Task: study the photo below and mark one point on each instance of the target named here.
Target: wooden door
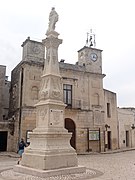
(70, 126)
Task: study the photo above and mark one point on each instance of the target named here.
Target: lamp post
(106, 139)
(133, 126)
(106, 126)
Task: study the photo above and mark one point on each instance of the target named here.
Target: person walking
(21, 147)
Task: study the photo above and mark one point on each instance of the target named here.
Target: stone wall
(111, 119)
(4, 94)
(2, 85)
(5, 124)
(126, 120)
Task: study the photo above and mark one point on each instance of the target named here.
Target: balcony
(78, 104)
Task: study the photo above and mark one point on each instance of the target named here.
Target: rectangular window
(108, 110)
(67, 94)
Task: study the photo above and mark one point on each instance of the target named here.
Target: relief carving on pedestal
(56, 92)
(43, 94)
(42, 113)
(48, 55)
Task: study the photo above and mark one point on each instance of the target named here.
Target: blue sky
(112, 21)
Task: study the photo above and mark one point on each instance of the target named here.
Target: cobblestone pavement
(6, 163)
(113, 166)
(118, 166)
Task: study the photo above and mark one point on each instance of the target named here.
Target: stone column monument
(50, 152)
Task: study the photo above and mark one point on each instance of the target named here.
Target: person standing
(21, 147)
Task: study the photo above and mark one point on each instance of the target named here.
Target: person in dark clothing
(21, 147)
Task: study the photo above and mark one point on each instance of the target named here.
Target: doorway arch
(70, 126)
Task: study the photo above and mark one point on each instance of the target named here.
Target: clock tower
(91, 59)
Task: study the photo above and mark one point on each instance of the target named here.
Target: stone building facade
(5, 125)
(126, 123)
(91, 111)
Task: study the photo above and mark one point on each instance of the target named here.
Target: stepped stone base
(52, 160)
(49, 150)
(49, 173)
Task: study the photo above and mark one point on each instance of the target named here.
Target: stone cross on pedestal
(50, 148)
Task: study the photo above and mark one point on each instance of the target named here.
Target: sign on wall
(94, 135)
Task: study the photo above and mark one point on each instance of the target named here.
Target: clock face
(36, 49)
(93, 56)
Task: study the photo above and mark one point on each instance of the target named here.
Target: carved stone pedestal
(50, 152)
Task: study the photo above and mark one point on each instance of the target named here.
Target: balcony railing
(78, 104)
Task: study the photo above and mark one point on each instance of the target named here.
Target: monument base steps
(49, 173)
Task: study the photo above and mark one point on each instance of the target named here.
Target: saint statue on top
(53, 18)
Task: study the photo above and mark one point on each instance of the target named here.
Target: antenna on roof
(87, 40)
(90, 41)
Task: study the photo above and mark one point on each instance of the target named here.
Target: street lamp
(133, 126)
(106, 126)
